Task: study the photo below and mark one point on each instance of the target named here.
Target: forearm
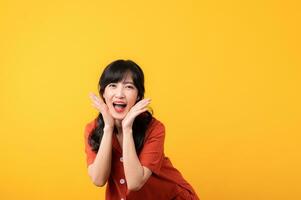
(133, 169)
(99, 171)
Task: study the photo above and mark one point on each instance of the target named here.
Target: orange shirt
(166, 182)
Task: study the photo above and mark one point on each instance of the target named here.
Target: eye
(130, 86)
(112, 85)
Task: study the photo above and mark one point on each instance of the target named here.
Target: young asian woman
(124, 144)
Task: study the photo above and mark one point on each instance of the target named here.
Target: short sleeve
(90, 155)
(152, 153)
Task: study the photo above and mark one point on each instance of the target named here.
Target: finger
(141, 105)
(140, 108)
(138, 112)
(96, 107)
(97, 99)
(93, 97)
(143, 101)
(95, 103)
(100, 100)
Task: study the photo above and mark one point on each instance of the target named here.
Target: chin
(118, 116)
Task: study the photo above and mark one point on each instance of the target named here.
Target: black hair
(113, 73)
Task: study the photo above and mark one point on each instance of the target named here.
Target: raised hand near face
(136, 110)
(101, 106)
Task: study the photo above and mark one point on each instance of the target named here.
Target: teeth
(119, 105)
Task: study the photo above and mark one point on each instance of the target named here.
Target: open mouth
(119, 107)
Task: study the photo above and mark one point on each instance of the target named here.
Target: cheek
(106, 96)
(133, 100)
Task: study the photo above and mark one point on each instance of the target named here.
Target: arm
(100, 169)
(135, 174)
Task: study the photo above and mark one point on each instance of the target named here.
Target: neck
(118, 125)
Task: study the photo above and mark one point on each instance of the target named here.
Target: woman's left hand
(136, 110)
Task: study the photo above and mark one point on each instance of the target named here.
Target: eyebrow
(128, 82)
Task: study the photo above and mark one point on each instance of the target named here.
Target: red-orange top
(166, 182)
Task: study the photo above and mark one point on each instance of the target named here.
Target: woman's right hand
(100, 105)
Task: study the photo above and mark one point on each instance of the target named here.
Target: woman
(125, 143)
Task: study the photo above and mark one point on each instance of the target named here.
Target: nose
(119, 92)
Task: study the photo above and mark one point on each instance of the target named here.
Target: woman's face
(120, 97)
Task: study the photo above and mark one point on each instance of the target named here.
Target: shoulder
(155, 128)
(155, 123)
(90, 126)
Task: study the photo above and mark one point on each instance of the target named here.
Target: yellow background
(224, 78)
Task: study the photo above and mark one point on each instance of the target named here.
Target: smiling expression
(120, 97)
